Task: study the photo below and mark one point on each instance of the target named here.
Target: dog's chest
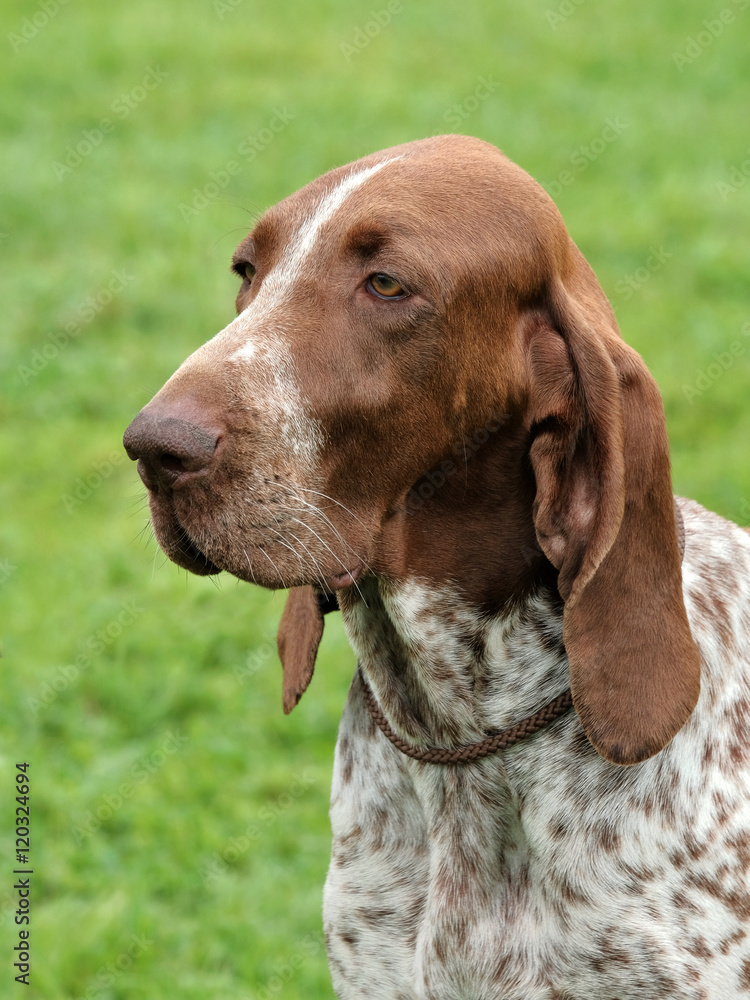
(446, 883)
(544, 873)
(434, 888)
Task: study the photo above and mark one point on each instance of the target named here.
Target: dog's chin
(176, 543)
(182, 550)
(189, 557)
(247, 559)
(248, 565)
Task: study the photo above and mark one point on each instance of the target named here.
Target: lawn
(179, 821)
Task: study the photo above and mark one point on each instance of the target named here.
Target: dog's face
(389, 310)
(361, 353)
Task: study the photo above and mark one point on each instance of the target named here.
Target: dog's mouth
(176, 543)
(246, 560)
(184, 552)
(346, 579)
(192, 559)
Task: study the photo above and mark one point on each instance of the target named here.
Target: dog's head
(387, 311)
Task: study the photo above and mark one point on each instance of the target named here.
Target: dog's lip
(191, 550)
(187, 554)
(341, 580)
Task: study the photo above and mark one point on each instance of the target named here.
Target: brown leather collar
(496, 741)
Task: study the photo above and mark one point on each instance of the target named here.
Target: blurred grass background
(180, 832)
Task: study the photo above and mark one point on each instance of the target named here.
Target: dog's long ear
(300, 632)
(604, 517)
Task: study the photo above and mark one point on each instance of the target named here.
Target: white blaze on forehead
(272, 373)
(280, 280)
(324, 211)
(270, 380)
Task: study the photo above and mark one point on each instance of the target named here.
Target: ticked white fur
(544, 872)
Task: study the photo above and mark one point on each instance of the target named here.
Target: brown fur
(506, 327)
(486, 461)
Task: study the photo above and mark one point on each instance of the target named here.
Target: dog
(424, 415)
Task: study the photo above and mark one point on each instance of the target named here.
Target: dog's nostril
(172, 463)
(167, 448)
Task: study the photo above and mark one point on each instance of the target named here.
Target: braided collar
(495, 741)
(472, 751)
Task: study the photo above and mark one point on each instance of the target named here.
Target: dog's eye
(385, 287)
(249, 270)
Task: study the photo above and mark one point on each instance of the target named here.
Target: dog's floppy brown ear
(300, 632)
(604, 517)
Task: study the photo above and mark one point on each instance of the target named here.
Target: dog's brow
(365, 241)
(324, 211)
(281, 279)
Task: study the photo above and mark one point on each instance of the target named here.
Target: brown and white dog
(425, 406)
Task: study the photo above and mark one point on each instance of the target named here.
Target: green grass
(153, 728)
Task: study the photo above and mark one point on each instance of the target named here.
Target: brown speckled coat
(425, 406)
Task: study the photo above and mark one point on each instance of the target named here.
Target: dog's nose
(169, 451)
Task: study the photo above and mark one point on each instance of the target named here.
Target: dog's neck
(458, 628)
(443, 672)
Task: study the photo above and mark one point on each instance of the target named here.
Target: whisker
(321, 575)
(306, 489)
(323, 542)
(137, 537)
(280, 538)
(316, 510)
(284, 584)
(157, 550)
(326, 520)
(251, 567)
